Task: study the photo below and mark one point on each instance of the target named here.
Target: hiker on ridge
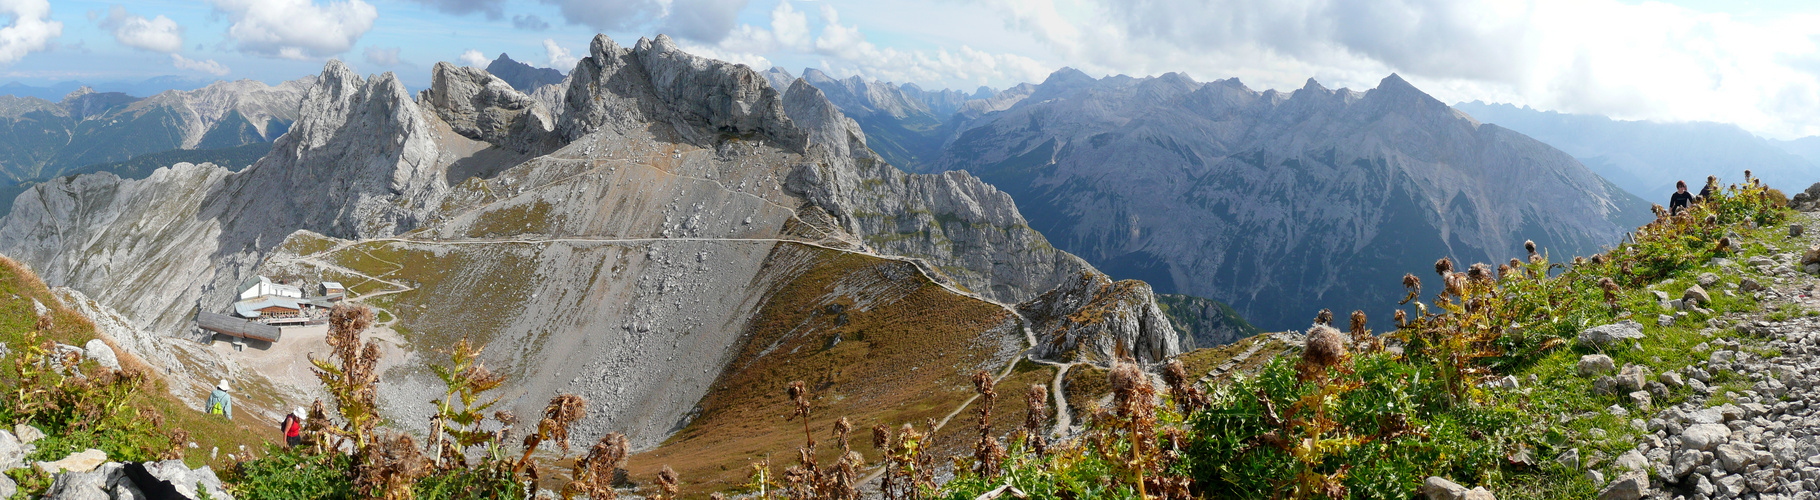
(1712, 186)
(220, 403)
(1678, 201)
(293, 428)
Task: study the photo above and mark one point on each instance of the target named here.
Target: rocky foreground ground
(1749, 426)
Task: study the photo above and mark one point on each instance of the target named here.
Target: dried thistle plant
(594, 472)
(799, 394)
(1325, 317)
(350, 374)
(1134, 403)
(1187, 397)
(1036, 413)
(1413, 284)
(1443, 267)
(987, 452)
(388, 465)
(667, 482)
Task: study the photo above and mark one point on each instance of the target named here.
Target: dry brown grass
(902, 361)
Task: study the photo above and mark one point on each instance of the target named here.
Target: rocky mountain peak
(523, 77)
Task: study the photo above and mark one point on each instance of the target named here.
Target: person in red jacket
(293, 428)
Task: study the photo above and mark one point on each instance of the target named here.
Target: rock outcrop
(1094, 319)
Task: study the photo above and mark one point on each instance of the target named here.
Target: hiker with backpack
(220, 403)
(293, 428)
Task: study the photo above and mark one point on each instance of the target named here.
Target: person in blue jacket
(220, 403)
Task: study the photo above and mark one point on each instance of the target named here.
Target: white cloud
(707, 21)
(158, 34)
(474, 58)
(559, 57)
(386, 57)
(297, 29)
(789, 26)
(844, 51)
(30, 31)
(205, 66)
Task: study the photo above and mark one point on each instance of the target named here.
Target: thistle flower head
(1411, 282)
(1443, 266)
(1479, 272)
(1401, 318)
(1598, 258)
(1529, 246)
(1325, 317)
(1325, 348)
(1358, 323)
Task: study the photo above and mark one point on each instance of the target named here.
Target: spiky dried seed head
(1535, 259)
(1598, 258)
(1579, 261)
(1131, 390)
(1443, 266)
(842, 426)
(881, 437)
(1358, 322)
(1503, 270)
(1411, 282)
(1325, 347)
(982, 383)
(1529, 246)
(1479, 272)
(798, 389)
(1325, 317)
(667, 481)
(1400, 318)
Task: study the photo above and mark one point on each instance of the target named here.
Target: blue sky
(1755, 64)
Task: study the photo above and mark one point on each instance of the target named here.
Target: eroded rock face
(1095, 319)
(483, 107)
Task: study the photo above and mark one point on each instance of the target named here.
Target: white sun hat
(222, 385)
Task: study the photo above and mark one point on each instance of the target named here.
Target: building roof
(335, 285)
(250, 282)
(229, 325)
(250, 308)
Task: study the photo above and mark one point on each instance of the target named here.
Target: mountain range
(1646, 158)
(40, 139)
(1277, 203)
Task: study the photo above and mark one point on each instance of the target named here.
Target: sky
(1754, 64)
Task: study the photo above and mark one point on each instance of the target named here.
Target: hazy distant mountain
(521, 76)
(40, 139)
(1806, 147)
(904, 123)
(1646, 158)
(149, 86)
(1278, 204)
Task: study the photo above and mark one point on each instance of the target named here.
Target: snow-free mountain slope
(1280, 204)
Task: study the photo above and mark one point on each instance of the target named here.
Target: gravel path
(1762, 442)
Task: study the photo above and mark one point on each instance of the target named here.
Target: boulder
(1439, 488)
(1629, 486)
(1632, 461)
(1664, 320)
(1593, 364)
(1640, 400)
(185, 480)
(1671, 379)
(1569, 459)
(1704, 436)
(1733, 456)
(1600, 336)
(1696, 295)
(1687, 460)
(1707, 279)
(7, 487)
(27, 434)
(1479, 493)
(1811, 256)
(12, 452)
(101, 483)
(1794, 230)
(1633, 378)
(103, 355)
(81, 461)
(1749, 285)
